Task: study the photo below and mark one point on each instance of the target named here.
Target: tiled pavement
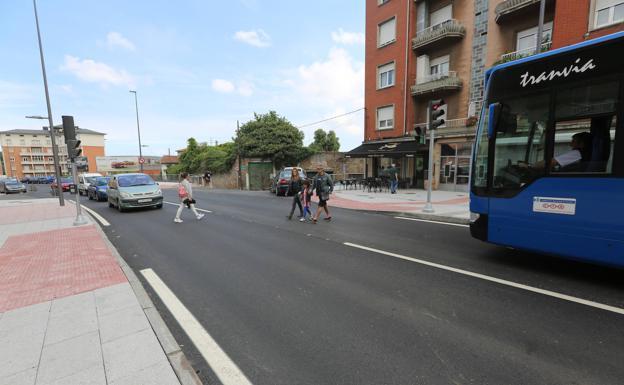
(68, 314)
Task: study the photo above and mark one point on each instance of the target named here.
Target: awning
(387, 149)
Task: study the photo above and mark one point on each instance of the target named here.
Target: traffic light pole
(80, 220)
(428, 206)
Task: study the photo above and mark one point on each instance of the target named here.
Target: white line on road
(496, 280)
(428, 221)
(219, 361)
(97, 216)
(177, 204)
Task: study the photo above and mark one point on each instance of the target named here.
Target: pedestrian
(393, 174)
(185, 192)
(306, 197)
(208, 179)
(294, 187)
(323, 185)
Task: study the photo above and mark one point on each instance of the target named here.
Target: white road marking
(177, 204)
(496, 280)
(97, 216)
(227, 371)
(428, 221)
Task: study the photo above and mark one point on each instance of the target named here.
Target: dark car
(11, 185)
(97, 190)
(282, 181)
(65, 183)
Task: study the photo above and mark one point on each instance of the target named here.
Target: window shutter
(387, 31)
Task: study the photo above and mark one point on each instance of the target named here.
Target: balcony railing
(523, 53)
(508, 7)
(446, 29)
(437, 82)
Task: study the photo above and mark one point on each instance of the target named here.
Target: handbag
(182, 193)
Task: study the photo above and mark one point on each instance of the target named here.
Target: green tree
(190, 157)
(271, 136)
(217, 159)
(325, 141)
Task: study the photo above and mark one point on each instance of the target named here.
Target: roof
(45, 132)
(389, 148)
(169, 159)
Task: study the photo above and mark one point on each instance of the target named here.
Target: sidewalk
(448, 205)
(68, 313)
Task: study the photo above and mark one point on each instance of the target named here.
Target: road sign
(141, 160)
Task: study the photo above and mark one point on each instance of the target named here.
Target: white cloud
(223, 86)
(348, 38)
(257, 38)
(91, 71)
(115, 39)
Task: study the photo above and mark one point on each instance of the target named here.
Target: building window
(439, 67)
(382, 2)
(385, 118)
(441, 15)
(608, 12)
(35, 142)
(8, 142)
(385, 77)
(527, 39)
(386, 32)
(22, 142)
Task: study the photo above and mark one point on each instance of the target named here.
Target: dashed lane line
(177, 204)
(549, 293)
(221, 364)
(429, 221)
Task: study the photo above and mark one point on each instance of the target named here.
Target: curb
(178, 361)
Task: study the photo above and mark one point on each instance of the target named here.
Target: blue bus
(548, 162)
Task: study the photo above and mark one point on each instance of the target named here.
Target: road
(296, 303)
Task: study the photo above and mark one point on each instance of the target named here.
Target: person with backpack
(185, 193)
(324, 186)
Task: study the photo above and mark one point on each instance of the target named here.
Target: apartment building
(28, 153)
(421, 50)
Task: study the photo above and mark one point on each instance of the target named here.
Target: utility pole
(540, 27)
(57, 168)
(240, 180)
(136, 105)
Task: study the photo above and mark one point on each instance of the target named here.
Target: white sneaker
(302, 220)
(200, 216)
(178, 220)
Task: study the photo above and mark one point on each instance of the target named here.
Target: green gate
(260, 175)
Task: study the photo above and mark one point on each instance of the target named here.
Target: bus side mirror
(494, 112)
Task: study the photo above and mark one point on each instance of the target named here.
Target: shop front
(408, 156)
(454, 170)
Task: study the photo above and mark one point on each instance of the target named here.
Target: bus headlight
(474, 217)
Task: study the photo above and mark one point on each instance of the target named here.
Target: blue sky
(198, 67)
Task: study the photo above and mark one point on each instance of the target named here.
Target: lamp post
(136, 105)
(57, 171)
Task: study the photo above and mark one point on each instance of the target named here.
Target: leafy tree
(325, 141)
(271, 136)
(189, 158)
(217, 159)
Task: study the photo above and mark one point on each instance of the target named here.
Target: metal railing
(437, 82)
(509, 6)
(448, 28)
(524, 53)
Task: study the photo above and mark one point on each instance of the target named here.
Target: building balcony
(450, 29)
(509, 8)
(523, 53)
(434, 83)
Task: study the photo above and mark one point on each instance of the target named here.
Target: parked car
(132, 191)
(84, 180)
(282, 180)
(11, 185)
(65, 183)
(97, 190)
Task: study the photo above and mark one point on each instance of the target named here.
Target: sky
(198, 67)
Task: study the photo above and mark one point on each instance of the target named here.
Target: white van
(84, 180)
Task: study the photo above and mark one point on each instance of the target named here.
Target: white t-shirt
(187, 187)
(568, 158)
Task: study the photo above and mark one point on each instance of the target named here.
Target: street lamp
(57, 170)
(136, 105)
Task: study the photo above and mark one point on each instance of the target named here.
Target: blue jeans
(393, 186)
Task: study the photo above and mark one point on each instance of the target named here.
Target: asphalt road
(290, 303)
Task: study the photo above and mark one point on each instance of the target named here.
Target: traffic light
(69, 132)
(436, 111)
(421, 134)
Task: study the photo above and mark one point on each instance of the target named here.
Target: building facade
(28, 153)
(422, 50)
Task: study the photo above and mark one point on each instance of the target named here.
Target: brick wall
(574, 24)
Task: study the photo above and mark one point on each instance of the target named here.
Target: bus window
(585, 129)
(520, 141)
